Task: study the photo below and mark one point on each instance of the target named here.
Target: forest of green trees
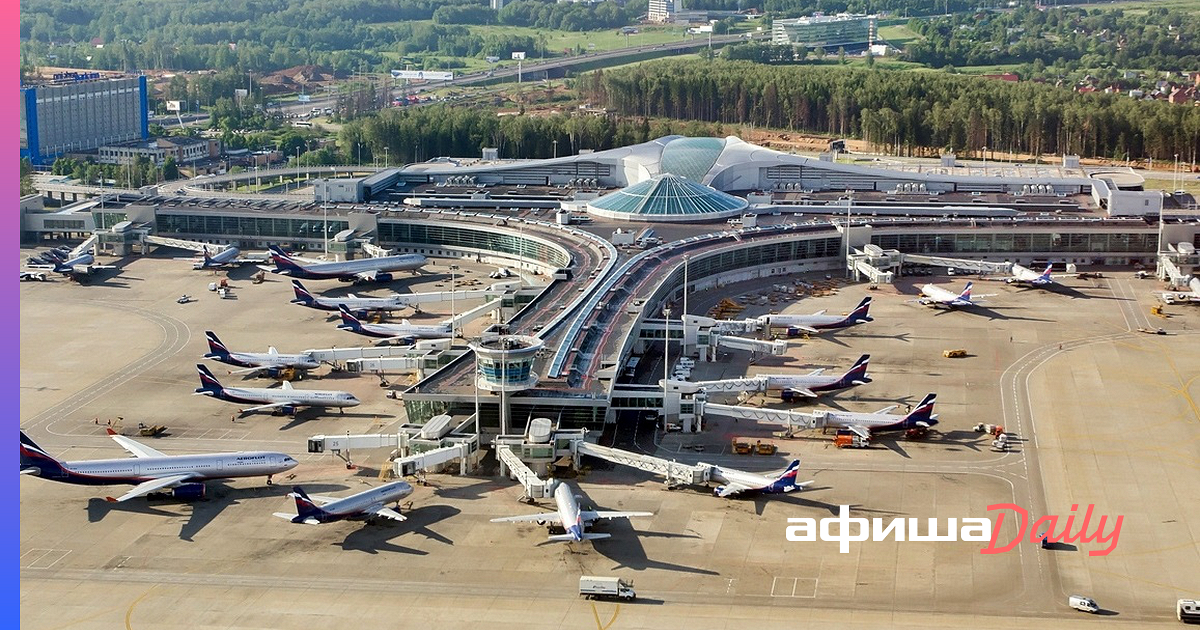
(913, 112)
(1158, 39)
(267, 35)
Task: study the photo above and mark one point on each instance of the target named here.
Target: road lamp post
(385, 156)
(666, 361)
(453, 311)
(555, 143)
(985, 161)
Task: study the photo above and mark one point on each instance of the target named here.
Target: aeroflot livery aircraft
(370, 269)
(368, 504)
(936, 296)
(819, 321)
(284, 399)
(270, 361)
(151, 470)
(573, 520)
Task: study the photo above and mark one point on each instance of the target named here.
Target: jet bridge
(337, 355)
(415, 448)
(752, 384)
(535, 487)
(774, 348)
(87, 247)
(979, 266)
(179, 243)
(1170, 272)
(793, 420)
(676, 474)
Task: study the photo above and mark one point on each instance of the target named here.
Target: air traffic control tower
(505, 366)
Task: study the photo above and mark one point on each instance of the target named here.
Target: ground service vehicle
(1086, 604)
(592, 586)
(1187, 610)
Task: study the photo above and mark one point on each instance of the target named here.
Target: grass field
(1134, 7)
(898, 35)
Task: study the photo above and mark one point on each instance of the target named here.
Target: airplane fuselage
(266, 359)
(568, 512)
(294, 397)
(819, 322)
(401, 330)
(101, 472)
(350, 269)
(363, 502)
(356, 304)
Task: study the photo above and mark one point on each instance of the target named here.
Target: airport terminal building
(603, 304)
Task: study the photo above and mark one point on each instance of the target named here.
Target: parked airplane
(152, 471)
(1183, 297)
(819, 321)
(370, 269)
(1025, 275)
(368, 504)
(573, 520)
(919, 419)
(284, 399)
(360, 306)
(403, 331)
(270, 361)
(737, 481)
(229, 256)
(814, 383)
(936, 296)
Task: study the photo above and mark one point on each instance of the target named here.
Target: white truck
(592, 586)
(1086, 604)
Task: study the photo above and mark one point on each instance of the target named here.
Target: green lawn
(899, 35)
(1135, 7)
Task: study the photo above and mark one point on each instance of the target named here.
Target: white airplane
(1183, 297)
(918, 420)
(815, 383)
(270, 361)
(362, 306)
(369, 269)
(390, 332)
(573, 520)
(936, 296)
(284, 399)
(1025, 275)
(230, 256)
(819, 321)
(152, 471)
(368, 504)
(738, 481)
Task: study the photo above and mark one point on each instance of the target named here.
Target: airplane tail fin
(37, 461)
(349, 321)
(208, 383)
(859, 314)
(966, 294)
(283, 262)
(858, 373)
(305, 508)
(303, 296)
(923, 414)
(216, 349)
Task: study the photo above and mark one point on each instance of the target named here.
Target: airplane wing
(147, 487)
(887, 409)
(820, 312)
(528, 518)
(817, 372)
(592, 515)
(386, 512)
(807, 329)
(138, 450)
(249, 370)
(29, 471)
(803, 392)
(731, 489)
(859, 429)
(276, 405)
(367, 275)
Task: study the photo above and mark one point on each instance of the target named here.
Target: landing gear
(269, 481)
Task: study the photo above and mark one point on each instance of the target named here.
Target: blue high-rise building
(79, 112)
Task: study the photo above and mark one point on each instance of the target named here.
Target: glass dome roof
(691, 157)
(668, 198)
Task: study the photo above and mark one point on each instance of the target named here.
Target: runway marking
(596, 614)
(785, 589)
(132, 605)
(48, 558)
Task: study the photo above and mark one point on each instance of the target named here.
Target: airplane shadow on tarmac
(202, 512)
(374, 537)
(625, 547)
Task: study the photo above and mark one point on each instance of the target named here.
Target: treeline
(796, 8)
(268, 35)
(1159, 39)
(912, 112)
(422, 133)
(142, 172)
